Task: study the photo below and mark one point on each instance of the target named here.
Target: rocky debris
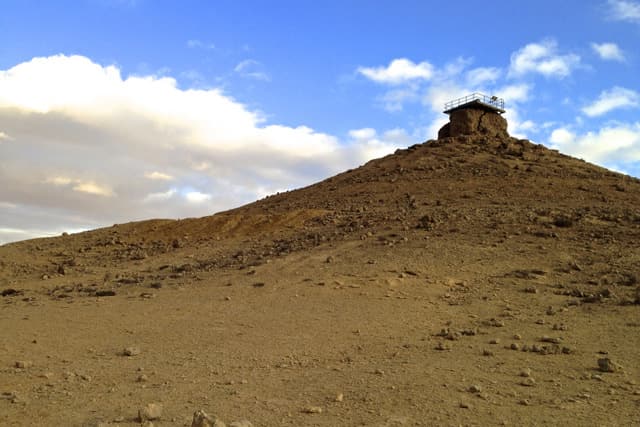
(202, 419)
(312, 410)
(23, 364)
(131, 351)
(607, 365)
(105, 293)
(475, 389)
(10, 292)
(150, 412)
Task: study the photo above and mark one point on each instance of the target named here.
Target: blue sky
(116, 110)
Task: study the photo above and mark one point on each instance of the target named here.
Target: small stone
(486, 352)
(442, 346)
(465, 405)
(540, 322)
(517, 337)
(339, 397)
(202, 419)
(23, 364)
(524, 402)
(528, 382)
(526, 373)
(152, 411)
(552, 340)
(531, 290)
(607, 365)
(131, 351)
(475, 389)
(495, 341)
(514, 346)
(142, 378)
(312, 410)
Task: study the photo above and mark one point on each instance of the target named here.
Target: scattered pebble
(607, 365)
(528, 382)
(202, 419)
(517, 337)
(312, 410)
(552, 340)
(339, 397)
(495, 341)
(131, 351)
(526, 373)
(23, 364)
(514, 346)
(475, 389)
(442, 346)
(524, 402)
(152, 411)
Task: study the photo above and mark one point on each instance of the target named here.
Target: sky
(120, 110)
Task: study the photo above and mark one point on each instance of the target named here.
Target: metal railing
(493, 101)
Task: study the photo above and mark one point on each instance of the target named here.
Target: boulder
(469, 121)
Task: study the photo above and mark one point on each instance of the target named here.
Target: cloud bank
(82, 146)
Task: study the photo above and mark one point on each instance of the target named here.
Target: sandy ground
(459, 282)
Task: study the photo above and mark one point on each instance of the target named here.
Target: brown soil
(464, 281)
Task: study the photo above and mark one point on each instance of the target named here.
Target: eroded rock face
(470, 121)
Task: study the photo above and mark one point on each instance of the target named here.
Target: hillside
(476, 279)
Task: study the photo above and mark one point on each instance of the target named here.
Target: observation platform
(476, 101)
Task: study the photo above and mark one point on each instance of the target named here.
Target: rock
(105, 293)
(23, 364)
(339, 397)
(607, 365)
(142, 378)
(469, 121)
(131, 351)
(528, 382)
(475, 389)
(202, 419)
(312, 410)
(526, 373)
(152, 411)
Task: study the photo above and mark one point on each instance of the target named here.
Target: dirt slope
(463, 281)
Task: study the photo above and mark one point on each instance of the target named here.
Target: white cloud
(483, 75)
(616, 146)
(614, 98)
(398, 71)
(107, 145)
(158, 176)
(199, 44)
(253, 69)
(542, 58)
(160, 196)
(364, 133)
(93, 188)
(608, 51)
(624, 10)
(197, 197)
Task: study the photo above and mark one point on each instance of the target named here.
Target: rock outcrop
(468, 121)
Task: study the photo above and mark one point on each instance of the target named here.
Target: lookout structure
(475, 114)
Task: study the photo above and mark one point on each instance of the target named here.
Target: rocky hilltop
(476, 279)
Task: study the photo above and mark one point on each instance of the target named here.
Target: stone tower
(475, 114)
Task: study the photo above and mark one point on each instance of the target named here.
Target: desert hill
(476, 279)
